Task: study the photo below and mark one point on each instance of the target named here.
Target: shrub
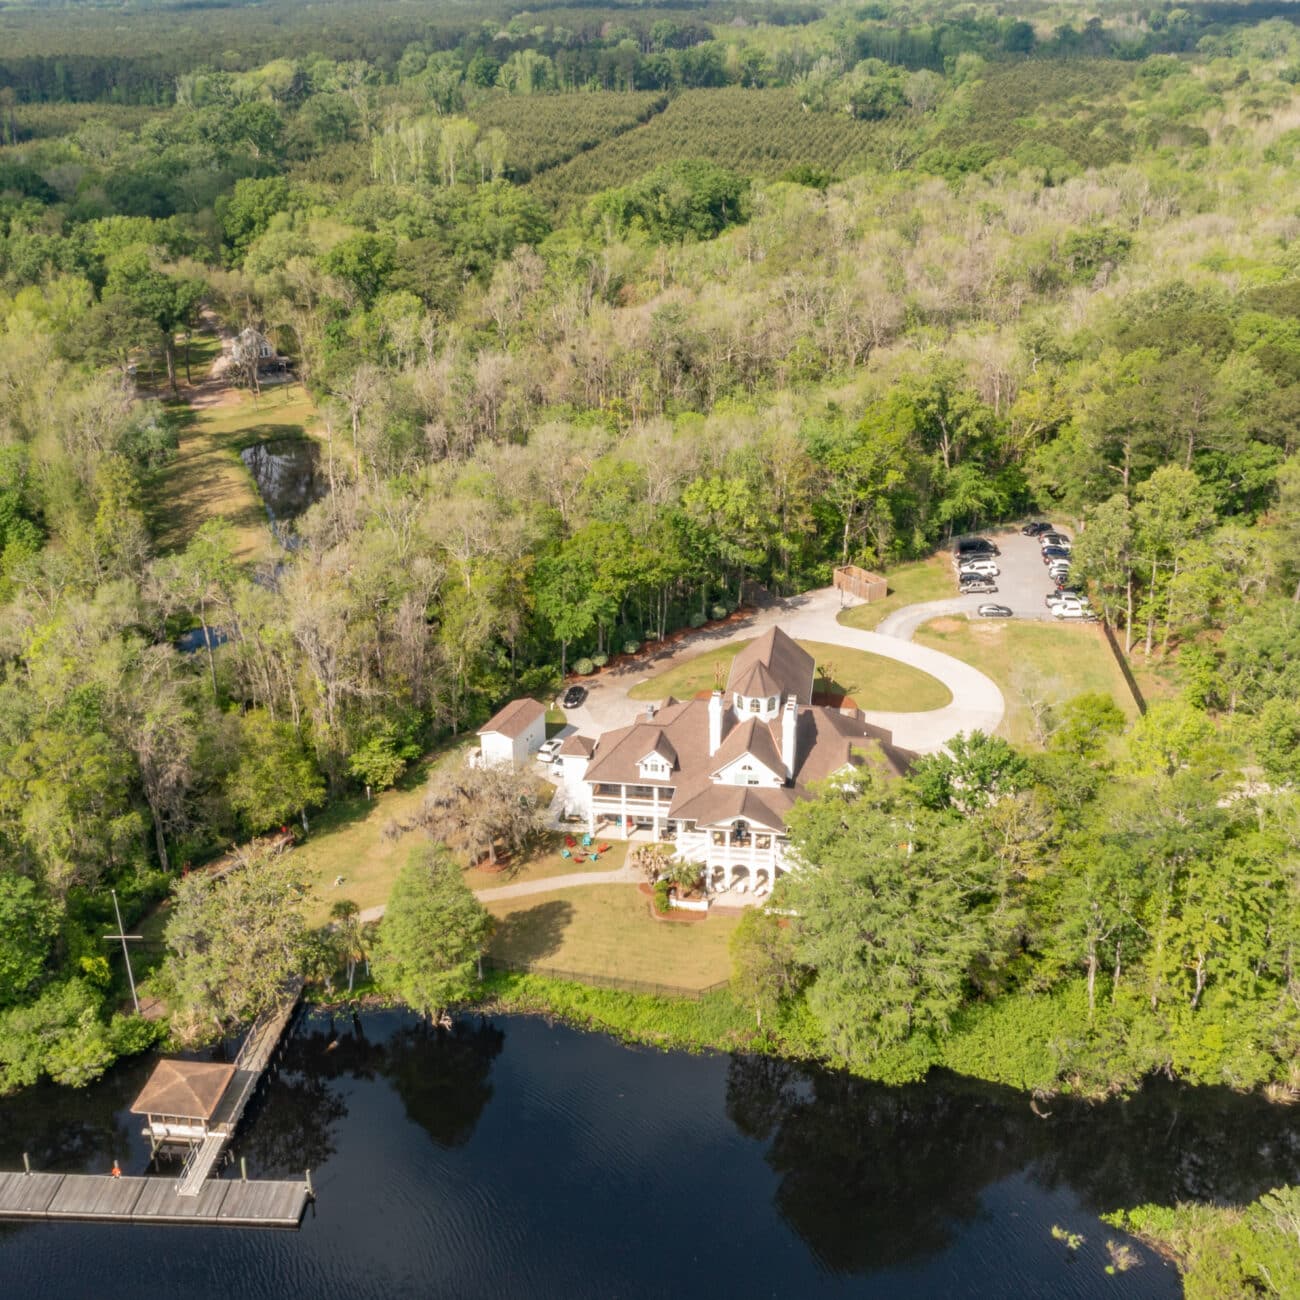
(600, 660)
(697, 620)
(631, 647)
(584, 667)
(718, 611)
(661, 895)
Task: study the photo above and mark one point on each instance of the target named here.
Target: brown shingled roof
(754, 738)
(774, 664)
(576, 745)
(514, 719)
(186, 1089)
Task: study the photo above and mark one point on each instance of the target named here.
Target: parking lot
(1022, 582)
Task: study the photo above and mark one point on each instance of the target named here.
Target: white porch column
(622, 803)
(654, 813)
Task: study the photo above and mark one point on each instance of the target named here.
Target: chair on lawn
(579, 857)
(602, 848)
(564, 853)
(586, 841)
(570, 842)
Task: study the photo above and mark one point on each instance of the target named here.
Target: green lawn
(347, 839)
(608, 930)
(872, 681)
(207, 480)
(909, 584)
(1032, 661)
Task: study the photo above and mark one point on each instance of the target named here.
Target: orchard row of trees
(154, 59)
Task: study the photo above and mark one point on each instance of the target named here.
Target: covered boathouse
(180, 1099)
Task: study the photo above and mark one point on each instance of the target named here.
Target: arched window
(755, 705)
(771, 705)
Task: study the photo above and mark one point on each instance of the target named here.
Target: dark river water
(512, 1158)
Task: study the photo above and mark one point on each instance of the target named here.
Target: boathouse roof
(186, 1089)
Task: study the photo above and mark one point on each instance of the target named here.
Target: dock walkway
(254, 1056)
(227, 1202)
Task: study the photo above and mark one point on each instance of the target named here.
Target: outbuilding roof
(186, 1089)
(513, 720)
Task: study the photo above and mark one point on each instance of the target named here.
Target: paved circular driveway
(976, 701)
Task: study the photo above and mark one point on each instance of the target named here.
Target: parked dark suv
(970, 547)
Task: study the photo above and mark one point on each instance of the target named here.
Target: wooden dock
(194, 1197)
(252, 1061)
(226, 1202)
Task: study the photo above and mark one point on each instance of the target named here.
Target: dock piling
(27, 1164)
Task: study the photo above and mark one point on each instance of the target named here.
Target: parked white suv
(985, 568)
(1072, 609)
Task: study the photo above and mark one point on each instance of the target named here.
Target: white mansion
(715, 776)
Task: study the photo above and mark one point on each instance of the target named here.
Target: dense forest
(610, 317)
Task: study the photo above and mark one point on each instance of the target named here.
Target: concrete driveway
(976, 702)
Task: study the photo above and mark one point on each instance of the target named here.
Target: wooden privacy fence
(861, 583)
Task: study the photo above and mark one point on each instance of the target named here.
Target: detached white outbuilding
(514, 734)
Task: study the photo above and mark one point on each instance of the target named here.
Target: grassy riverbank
(1226, 1252)
(1012, 1042)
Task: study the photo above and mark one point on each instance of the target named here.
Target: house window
(771, 705)
(762, 841)
(755, 705)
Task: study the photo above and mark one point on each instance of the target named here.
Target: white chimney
(789, 726)
(715, 722)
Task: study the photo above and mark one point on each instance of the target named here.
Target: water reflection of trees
(440, 1075)
(875, 1177)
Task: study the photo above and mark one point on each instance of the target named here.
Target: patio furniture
(580, 857)
(570, 841)
(586, 841)
(595, 857)
(602, 848)
(564, 853)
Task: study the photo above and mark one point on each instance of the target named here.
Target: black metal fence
(603, 981)
(1122, 659)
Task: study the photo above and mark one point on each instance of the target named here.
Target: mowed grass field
(608, 930)
(909, 584)
(207, 480)
(872, 681)
(1032, 661)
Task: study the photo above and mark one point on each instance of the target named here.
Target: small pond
(288, 475)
